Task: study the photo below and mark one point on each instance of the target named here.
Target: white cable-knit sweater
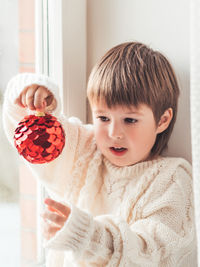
(140, 215)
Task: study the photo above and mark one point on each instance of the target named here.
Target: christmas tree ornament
(39, 138)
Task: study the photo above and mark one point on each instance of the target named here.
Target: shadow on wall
(9, 184)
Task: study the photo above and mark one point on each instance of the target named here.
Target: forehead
(141, 109)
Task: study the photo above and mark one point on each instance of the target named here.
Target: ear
(165, 120)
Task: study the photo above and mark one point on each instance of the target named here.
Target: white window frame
(60, 31)
(67, 53)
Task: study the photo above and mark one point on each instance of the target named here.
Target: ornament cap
(39, 113)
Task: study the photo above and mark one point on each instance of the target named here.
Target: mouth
(118, 151)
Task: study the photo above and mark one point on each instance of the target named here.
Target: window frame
(61, 54)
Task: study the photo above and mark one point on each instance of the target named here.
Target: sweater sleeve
(162, 236)
(56, 175)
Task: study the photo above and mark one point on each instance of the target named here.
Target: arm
(163, 234)
(57, 175)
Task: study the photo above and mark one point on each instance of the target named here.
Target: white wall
(164, 25)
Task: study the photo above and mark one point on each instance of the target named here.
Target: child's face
(124, 135)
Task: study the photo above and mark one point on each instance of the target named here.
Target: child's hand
(36, 97)
(54, 218)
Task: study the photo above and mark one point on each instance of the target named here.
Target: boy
(119, 202)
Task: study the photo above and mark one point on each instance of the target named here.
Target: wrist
(75, 234)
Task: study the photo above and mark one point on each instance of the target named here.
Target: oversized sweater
(140, 215)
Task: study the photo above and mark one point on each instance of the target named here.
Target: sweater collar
(130, 171)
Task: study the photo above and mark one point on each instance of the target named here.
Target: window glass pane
(18, 232)
(9, 181)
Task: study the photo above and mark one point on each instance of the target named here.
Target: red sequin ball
(39, 139)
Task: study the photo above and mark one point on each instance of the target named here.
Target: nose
(115, 131)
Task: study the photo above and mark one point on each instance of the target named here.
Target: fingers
(62, 209)
(19, 102)
(42, 98)
(52, 209)
(28, 98)
(48, 229)
(53, 217)
(36, 97)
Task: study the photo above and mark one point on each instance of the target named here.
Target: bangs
(121, 78)
(116, 86)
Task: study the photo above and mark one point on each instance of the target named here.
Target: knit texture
(140, 215)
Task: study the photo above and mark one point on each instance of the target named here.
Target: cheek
(100, 134)
(142, 136)
(149, 139)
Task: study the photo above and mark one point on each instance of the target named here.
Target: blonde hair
(132, 74)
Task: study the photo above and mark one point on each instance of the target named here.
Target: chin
(119, 165)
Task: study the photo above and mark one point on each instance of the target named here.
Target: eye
(103, 118)
(130, 120)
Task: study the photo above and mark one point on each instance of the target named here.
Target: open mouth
(119, 151)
